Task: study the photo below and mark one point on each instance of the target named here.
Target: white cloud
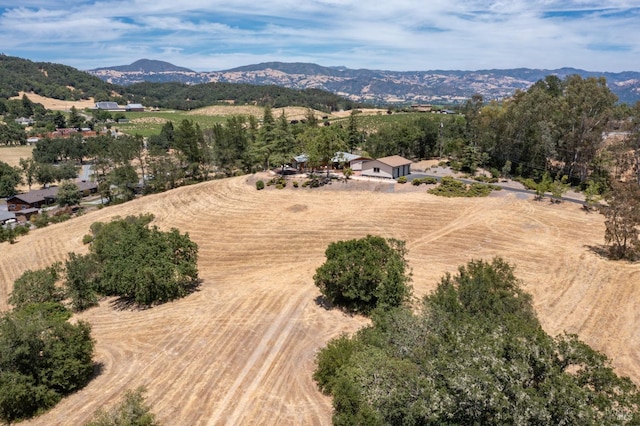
(402, 34)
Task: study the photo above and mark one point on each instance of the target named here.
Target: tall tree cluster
(556, 126)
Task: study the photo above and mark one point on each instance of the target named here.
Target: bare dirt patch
(241, 349)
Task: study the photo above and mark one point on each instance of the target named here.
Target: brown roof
(35, 196)
(39, 195)
(394, 161)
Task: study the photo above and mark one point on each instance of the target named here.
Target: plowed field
(241, 349)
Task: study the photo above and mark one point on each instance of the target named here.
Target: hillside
(379, 86)
(39, 79)
(241, 349)
(48, 79)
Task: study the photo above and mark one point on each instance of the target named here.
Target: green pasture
(150, 123)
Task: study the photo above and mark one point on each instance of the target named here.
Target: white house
(391, 167)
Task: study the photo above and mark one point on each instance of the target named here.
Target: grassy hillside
(241, 350)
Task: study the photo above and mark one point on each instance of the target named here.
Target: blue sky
(402, 35)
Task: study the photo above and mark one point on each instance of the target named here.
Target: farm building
(108, 106)
(391, 167)
(135, 107)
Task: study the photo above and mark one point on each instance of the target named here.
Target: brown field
(241, 349)
(57, 104)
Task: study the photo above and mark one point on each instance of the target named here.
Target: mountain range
(372, 86)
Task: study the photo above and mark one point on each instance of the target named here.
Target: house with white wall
(391, 167)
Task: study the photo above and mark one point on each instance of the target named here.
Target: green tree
(143, 264)
(37, 286)
(68, 194)
(588, 106)
(130, 411)
(75, 120)
(622, 219)
(12, 133)
(266, 141)
(80, 281)
(29, 168)
(354, 135)
(10, 178)
(45, 174)
(59, 121)
(43, 357)
(364, 274)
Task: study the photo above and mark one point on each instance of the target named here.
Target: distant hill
(160, 84)
(48, 79)
(147, 66)
(379, 86)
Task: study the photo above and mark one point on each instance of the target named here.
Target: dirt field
(241, 350)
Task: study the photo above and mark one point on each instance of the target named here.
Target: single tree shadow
(129, 304)
(323, 302)
(600, 250)
(98, 369)
(326, 304)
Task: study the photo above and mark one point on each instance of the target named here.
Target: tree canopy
(142, 263)
(43, 357)
(474, 353)
(363, 274)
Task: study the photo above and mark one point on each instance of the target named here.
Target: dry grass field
(12, 154)
(241, 349)
(57, 104)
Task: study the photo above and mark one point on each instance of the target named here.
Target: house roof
(345, 156)
(25, 212)
(107, 105)
(302, 158)
(136, 106)
(39, 195)
(35, 196)
(5, 215)
(394, 161)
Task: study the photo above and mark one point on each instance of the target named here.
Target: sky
(394, 35)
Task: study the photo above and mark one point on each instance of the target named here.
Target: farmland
(241, 349)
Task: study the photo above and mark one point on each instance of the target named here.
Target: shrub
(450, 187)
(87, 239)
(402, 179)
(428, 180)
(295, 184)
(279, 186)
(259, 185)
(132, 410)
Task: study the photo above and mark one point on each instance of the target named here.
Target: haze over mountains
(375, 86)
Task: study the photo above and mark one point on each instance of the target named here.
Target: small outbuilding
(135, 107)
(391, 167)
